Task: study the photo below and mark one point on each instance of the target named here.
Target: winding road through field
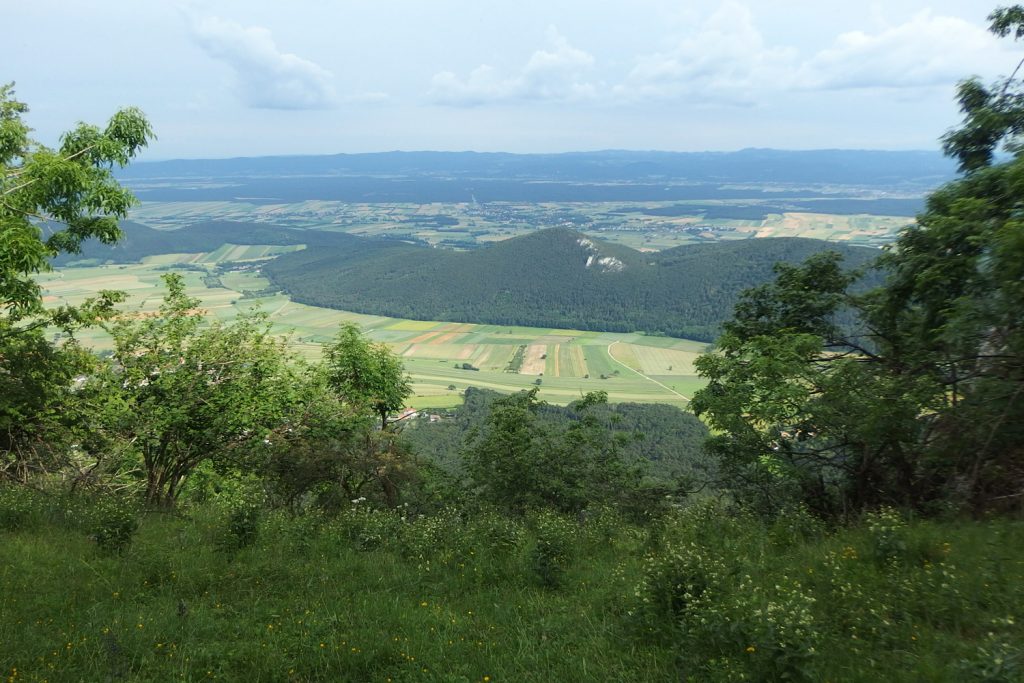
(649, 379)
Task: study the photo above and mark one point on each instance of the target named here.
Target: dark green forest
(664, 442)
(551, 278)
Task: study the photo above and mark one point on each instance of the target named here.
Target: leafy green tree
(518, 461)
(366, 374)
(994, 115)
(53, 200)
(340, 445)
(800, 406)
(334, 453)
(183, 393)
(921, 400)
(50, 202)
(39, 406)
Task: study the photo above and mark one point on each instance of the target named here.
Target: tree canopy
(50, 201)
(53, 199)
(921, 401)
(183, 393)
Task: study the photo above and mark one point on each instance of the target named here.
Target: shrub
(674, 582)
(548, 558)
(114, 521)
(765, 633)
(20, 507)
(369, 528)
(998, 659)
(887, 530)
(244, 518)
(795, 525)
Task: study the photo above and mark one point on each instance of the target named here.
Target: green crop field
(568, 363)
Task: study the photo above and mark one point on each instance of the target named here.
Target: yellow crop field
(534, 362)
(440, 351)
(625, 354)
(653, 361)
(413, 325)
(571, 362)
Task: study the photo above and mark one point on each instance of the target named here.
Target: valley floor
(565, 363)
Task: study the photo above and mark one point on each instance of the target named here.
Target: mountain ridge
(556, 278)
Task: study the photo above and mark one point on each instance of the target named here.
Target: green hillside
(551, 278)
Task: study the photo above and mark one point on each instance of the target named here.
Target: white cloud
(266, 78)
(556, 72)
(925, 51)
(725, 61)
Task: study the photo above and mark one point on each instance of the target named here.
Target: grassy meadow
(567, 363)
(695, 594)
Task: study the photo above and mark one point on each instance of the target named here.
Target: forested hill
(551, 278)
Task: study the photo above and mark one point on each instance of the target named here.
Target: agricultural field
(442, 358)
(640, 225)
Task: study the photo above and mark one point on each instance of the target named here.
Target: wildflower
(751, 648)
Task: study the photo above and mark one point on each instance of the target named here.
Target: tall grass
(476, 596)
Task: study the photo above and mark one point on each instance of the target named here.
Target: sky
(226, 78)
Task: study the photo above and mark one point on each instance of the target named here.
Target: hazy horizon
(568, 152)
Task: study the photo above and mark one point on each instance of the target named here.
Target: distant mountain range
(422, 177)
(550, 278)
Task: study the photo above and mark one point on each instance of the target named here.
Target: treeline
(551, 278)
(667, 443)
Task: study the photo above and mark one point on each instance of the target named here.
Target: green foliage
(550, 555)
(887, 531)
(243, 526)
(919, 398)
(40, 410)
(182, 394)
(993, 116)
(20, 507)
(72, 187)
(50, 202)
(114, 521)
(380, 594)
(664, 443)
(997, 660)
(918, 403)
(334, 452)
(366, 375)
(518, 462)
